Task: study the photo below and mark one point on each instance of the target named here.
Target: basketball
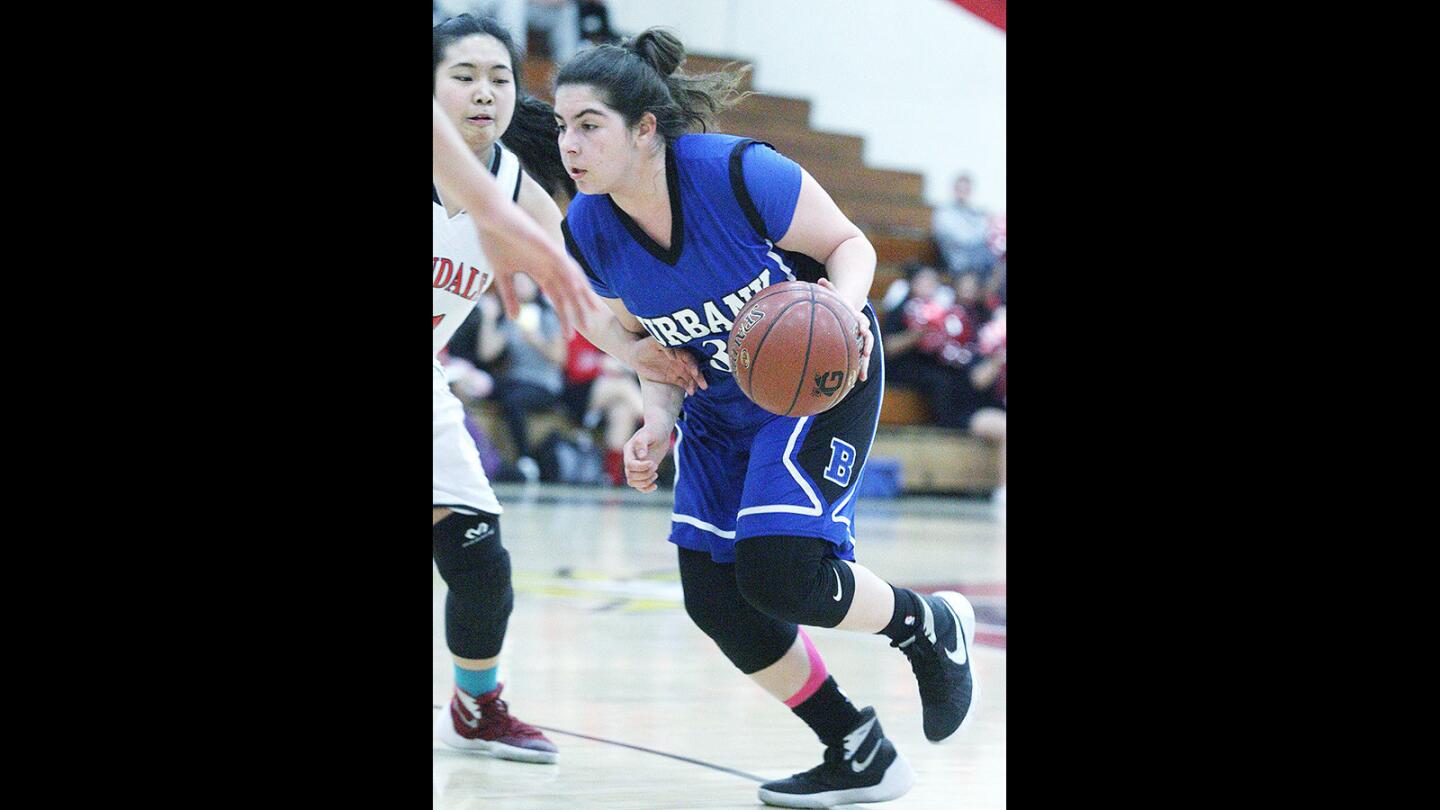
(795, 350)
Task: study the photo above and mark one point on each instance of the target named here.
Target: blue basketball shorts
(793, 476)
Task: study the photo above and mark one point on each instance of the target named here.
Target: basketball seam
(805, 366)
(840, 323)
(755, 355)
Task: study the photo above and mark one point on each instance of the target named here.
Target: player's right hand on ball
(643, 454)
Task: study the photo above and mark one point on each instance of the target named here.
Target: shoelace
(924, 662)
(510, 725)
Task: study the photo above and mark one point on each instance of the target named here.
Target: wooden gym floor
(646, 711)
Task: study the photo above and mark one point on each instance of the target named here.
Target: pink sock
(817, 673)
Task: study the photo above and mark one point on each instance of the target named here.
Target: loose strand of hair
(703, 96)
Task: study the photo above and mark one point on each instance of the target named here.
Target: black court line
(752, 777)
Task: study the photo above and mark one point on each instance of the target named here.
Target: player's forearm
(607, 334)
(662, 402)
(457, 171)
(851, 268)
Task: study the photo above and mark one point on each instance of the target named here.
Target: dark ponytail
(532, 137)
(531, 134)
(640, 76)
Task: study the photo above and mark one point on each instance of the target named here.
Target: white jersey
(460, 270)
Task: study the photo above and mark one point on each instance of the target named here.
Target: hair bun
(660, 48)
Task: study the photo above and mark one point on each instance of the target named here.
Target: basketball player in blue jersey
(477, 102)
(676, 231)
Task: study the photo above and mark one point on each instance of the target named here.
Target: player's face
(597, 148)
(475, 85)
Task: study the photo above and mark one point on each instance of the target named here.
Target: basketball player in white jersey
(476, 91)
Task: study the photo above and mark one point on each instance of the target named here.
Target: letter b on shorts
(842, 462)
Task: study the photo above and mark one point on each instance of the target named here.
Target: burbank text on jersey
(684, 325)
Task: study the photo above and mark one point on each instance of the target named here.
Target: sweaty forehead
(481, 50)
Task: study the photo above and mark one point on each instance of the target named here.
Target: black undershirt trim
(573, 248)
(742, 194)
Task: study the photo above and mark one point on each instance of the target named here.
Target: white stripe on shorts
(815, 509)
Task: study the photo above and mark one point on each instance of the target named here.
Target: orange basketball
(795, 349)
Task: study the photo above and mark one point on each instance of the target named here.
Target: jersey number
(438, 319)
(721, 358)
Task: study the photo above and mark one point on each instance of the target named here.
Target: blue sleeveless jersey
(688, 296)
(741, 472)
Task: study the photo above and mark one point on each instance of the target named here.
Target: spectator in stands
(599, 388)
(899, 290)
(988, 378)
(533, 378)
(970, 297)
(995, 290)
(961, 232)
(929, 346)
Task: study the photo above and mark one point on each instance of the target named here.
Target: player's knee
(752, 640)
(705, 611)
(781, 576)
(476, 567)
(469, 554)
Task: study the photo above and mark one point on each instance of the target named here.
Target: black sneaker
(939, 653)
(865, 768)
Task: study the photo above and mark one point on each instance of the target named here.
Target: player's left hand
(643, 454)
(862, 333)
(660, 364)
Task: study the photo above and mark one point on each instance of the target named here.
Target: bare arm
(821, 231)
(651, 442)
(512, 241)
(661, 407)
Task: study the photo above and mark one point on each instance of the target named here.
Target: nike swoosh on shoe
(960, 645)
(857, 766)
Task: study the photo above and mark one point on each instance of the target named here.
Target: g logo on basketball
(826, 384)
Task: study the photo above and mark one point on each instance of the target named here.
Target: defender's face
(475, 85)
(597, 148)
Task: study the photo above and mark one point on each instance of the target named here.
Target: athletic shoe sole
(898, 780)
(965, 612)
(445, 732)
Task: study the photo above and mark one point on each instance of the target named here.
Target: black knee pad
(750, 639)
(476, 566)
(795, 579)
